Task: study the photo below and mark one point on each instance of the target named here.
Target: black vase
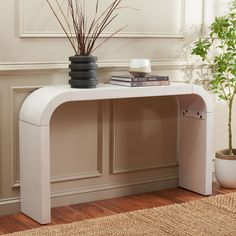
(83, 71)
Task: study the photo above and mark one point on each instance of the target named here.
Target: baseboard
(98, 192)
(9, 206)
(111, 190)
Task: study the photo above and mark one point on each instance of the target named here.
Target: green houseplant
(218, 52)
(82, 33)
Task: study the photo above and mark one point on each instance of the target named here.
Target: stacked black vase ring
(83, 71)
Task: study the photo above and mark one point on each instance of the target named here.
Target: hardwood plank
(10, 224)
(180, 195)
(123, 203)
(157, 199)
(92, 210)
(104, 204)
(26, 221)
(67, 214)
(143, 202)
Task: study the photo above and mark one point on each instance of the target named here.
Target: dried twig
(83, 35)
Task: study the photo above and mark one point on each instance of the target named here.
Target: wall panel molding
(115, 169)
(9, 201)
(90, 172)
(15, 141)
(32, 66)
(96, 157)
(24, 32)
(15, 91)
(205, 20)
(70, 177)
(81, 175)
(204, 17)
(16, 68)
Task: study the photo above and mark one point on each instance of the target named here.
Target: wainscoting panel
(144, 134)
(138, 15)
(76, 141)
(18, 95)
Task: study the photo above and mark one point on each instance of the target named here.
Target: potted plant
(218, 52)
(82, 35)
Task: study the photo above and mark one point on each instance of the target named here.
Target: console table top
(39, 105)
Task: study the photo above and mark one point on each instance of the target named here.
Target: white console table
(195, 149)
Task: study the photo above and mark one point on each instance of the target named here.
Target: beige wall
(33, 53)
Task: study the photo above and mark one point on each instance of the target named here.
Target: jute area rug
(209, 216)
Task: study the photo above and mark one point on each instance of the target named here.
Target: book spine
(149, 83)
(144, 79)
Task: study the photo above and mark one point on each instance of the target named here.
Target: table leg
(35, 172)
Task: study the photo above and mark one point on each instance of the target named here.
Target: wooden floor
(68, 214)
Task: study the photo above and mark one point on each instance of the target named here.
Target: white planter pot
(225, 171)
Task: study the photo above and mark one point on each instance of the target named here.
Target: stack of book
(131, 81)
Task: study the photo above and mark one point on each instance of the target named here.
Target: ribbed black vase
(83, 71)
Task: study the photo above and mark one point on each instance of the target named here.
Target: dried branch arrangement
(82, 33)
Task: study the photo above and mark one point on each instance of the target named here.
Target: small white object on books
(140, 67)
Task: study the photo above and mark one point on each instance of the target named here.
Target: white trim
(31, 34)
(9, 201)
(26, 66)
(20, 17)
(205, 26)
(111, 186)
(70, 177)
(82, 175)
(115, 170)
(16, 67)
(23, 33)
